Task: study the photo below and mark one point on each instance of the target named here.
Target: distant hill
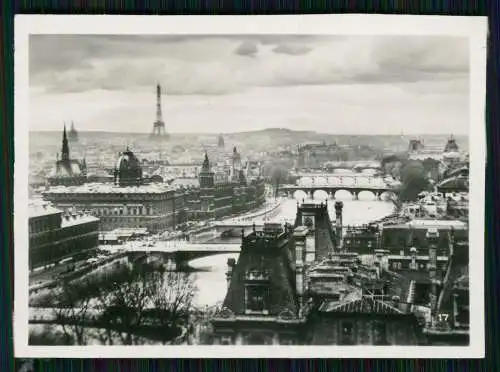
(259, 140)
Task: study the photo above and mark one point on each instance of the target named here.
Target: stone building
(226, 191)
(361, 239)
(67, 171)
(314, 156)
(261, 306)
(55, 235)
(399, 238)
(358, 319)
(127, 202)
(287, 288)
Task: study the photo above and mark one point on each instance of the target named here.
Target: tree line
(129, 305)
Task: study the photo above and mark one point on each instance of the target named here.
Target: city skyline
(327, 84)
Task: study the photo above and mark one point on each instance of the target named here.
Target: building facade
(226, 190)
(55, 235)
(314, 156)
(127, 202)
(287, 289)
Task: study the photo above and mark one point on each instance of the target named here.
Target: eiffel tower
(159, 124)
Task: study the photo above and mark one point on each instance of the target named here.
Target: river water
(211, 282)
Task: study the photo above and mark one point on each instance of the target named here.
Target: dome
(128, 170)
(127, 160)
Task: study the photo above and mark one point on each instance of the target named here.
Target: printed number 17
(443, 317)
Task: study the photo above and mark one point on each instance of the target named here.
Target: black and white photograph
(296, 184)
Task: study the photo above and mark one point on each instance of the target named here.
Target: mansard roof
(264, 253)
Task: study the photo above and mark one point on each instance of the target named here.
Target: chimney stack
(413, 253)
(377, 269)
(432, 239)
(299, 236)
(338, 224)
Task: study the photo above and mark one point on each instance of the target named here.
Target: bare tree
(146, 298)
(171, 300)
(72, 310)
(128, 304)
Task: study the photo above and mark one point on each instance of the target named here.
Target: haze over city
(329, 84)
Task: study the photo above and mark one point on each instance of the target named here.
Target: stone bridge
(347, 165)
(331, 183)
(177, 253)
(377, 191)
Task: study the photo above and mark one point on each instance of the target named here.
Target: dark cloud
(247, 49)
(294, 50)
(208, 65)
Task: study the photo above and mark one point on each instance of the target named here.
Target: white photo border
(474, 28)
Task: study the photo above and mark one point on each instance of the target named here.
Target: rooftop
(108, 188)
(427, 223)
(38, 208)
(73, 219)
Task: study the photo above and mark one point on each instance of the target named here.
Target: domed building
(67, 171)
(132, 202)
(128, 170)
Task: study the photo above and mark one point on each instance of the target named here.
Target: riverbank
(268, 209)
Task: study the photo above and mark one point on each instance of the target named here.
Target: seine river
(211, 282)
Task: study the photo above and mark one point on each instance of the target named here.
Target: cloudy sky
(332, 84)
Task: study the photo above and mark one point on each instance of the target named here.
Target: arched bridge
(347, 165)
(331, 183)
(176, 252)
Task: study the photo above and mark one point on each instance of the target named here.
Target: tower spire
(206, 163)
(158, 103)
(65, 147)
(159, 125)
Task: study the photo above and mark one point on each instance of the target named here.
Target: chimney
(338, 224)
(413, 254)
(377, 269)
(299, 236)
(231, 263)
(432, 240)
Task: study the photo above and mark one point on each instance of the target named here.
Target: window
(256, 298)
(347, 333)
(380, 333)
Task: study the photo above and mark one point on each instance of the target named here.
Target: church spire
(65, 147)
(206, 163)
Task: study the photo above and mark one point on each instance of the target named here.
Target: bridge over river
(178, 252)
(332, 183)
